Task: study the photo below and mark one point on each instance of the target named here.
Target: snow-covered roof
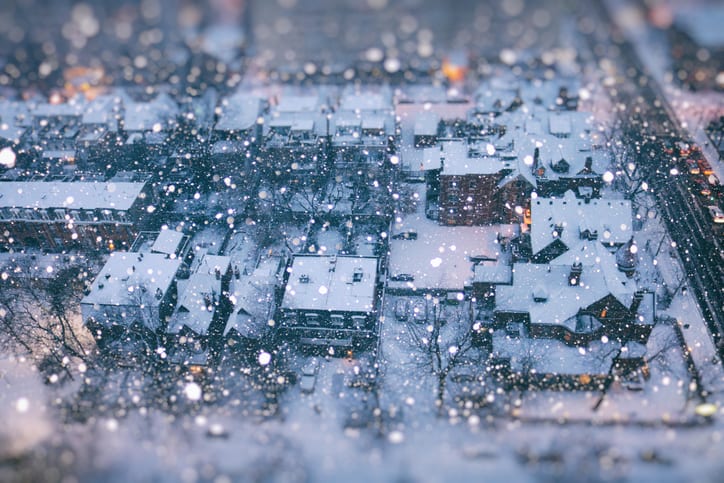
(13, 115)
(196, 304)
(440, 257)
(252, 297)
(611, 219)
(559, 123)
(563, 301)
(211, 264)
(550, 356)
(102, 110)
(127, 277)
(168, 242)
(457, 162)
(493, 272)
(66, 109)
(426, 124)
(160, 113)
(239, 112)
(334, 283)
(69, 194)
(367, 101)
(292, 103)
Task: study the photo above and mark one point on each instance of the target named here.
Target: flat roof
(125, 275)
(329, 282)
(167, 242)
(87, 195)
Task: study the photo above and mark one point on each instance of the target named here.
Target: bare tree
(41, 316)
(443, 344)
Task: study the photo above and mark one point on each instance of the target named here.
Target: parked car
(402, 308)
(309, 376)
(717, 215)
(405, 235)
(419, 312)
(704, 167)
(701, 185)
(692, 167)
(402, 277)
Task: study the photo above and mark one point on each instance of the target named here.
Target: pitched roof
(611, 219)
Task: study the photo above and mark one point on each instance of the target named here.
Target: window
(359, 321)
(312, 319)
(337, 321)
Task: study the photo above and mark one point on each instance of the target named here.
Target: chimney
(217, 272)
(574, 277)
(636, 302)
(536, 158)
(588, 165)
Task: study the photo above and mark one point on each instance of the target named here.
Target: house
(147, 124)
(364, 120)
(53, 132)
(99, 134)
(559, 224)
(196, 323)
(331, 300)
(14, 119)
(133, 291)
(294, 137)
(479, 188)
(58, 214)
(170, 242)
(578, 297)
(254, 304)
(237, 133)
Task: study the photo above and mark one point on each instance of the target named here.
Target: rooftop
(239, 112)
(86, 195)
(334, 283)
(127, 277)
(196, 304)
(566, 218)
(544, 292)
(168, 242)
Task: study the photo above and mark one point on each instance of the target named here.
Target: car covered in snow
(402, 277)
(309, 376)
(402, 308)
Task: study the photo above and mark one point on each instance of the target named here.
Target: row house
(135, 292)
(331, 300)
(57, 214)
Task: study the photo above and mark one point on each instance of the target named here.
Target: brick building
(57, 214)
(479, 189)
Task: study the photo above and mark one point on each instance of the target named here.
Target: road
(645, 113)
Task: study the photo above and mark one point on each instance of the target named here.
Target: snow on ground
(211, 238)
(439, 258)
